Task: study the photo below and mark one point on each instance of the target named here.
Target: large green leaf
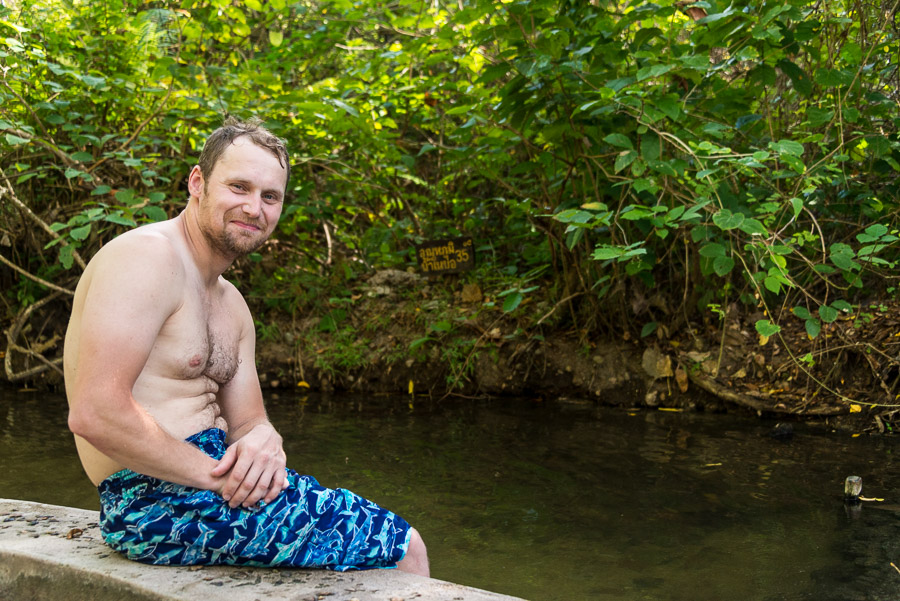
(800, 80)
(766, 328)
(619, 140)
(727, 220)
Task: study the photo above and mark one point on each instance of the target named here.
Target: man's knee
(417, 546)
(416, 559)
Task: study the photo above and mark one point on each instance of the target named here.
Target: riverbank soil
(397, 332)
(400, 333)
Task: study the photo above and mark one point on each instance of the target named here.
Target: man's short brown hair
(234, 128)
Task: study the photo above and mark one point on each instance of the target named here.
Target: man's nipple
(196, 361)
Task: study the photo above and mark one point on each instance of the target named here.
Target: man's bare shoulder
(153, 241)
(149, 258)
(235, 301)
(148, 247)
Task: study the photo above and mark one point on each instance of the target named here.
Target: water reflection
(37, 453)
(567, 501)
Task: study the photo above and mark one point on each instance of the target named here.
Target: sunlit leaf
(512, 301)
(624, 159)
(766, 328)
(727, 220)
(827, 313)
(81, 233)
(787, 147)
(343, 105)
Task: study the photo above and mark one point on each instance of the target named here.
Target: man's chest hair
(200, 339)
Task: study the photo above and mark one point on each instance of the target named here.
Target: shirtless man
(160, 376)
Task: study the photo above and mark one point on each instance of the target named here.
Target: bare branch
(35, 278)
(15, 199)
(13, 333)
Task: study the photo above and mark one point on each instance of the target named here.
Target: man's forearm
(135, 440)
(237, 432)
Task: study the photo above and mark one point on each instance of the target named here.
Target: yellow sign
(446, 256)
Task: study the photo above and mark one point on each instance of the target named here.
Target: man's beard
(231, 241)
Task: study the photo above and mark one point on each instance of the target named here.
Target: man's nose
(253, 205)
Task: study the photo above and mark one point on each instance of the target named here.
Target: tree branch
(35, 278)
(15, 199)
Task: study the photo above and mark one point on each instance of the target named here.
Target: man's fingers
(257, 494)
(254, 487)
(236, 478)
(279, 483)
(253, 468)
(255, 482)
(225, 462)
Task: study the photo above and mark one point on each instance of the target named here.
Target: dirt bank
(400, 333)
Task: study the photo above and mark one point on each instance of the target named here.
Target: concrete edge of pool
(49, 552)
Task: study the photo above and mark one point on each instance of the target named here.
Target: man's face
(241, 200)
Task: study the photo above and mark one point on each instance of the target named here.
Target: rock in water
(782, 431)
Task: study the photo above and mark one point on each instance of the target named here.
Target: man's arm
(254, 463)
(129, 291)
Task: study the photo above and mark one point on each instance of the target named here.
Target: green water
(564, 501)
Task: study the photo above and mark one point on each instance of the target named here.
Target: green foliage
(709, 144)
(619, 147)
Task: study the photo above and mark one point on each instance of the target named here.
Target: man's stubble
(227, 239)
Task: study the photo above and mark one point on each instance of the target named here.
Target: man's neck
(209, 262)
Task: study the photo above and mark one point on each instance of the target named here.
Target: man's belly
(179, 417)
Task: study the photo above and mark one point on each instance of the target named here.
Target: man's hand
(253, 468)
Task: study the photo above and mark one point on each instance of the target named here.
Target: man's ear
(195, 182)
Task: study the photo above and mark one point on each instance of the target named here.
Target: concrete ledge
(49, 553)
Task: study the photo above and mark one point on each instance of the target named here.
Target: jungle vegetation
(637, 165)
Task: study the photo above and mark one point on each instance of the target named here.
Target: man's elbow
(79, 423)
(85, 422)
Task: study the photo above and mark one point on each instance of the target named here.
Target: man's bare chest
(200, 339)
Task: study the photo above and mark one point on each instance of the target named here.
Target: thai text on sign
(446, 256)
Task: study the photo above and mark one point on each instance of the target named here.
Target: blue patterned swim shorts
(308, 525)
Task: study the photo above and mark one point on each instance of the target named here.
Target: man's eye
(270, 198)
(238, 187)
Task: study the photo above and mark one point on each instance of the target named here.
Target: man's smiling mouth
(248, 226)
